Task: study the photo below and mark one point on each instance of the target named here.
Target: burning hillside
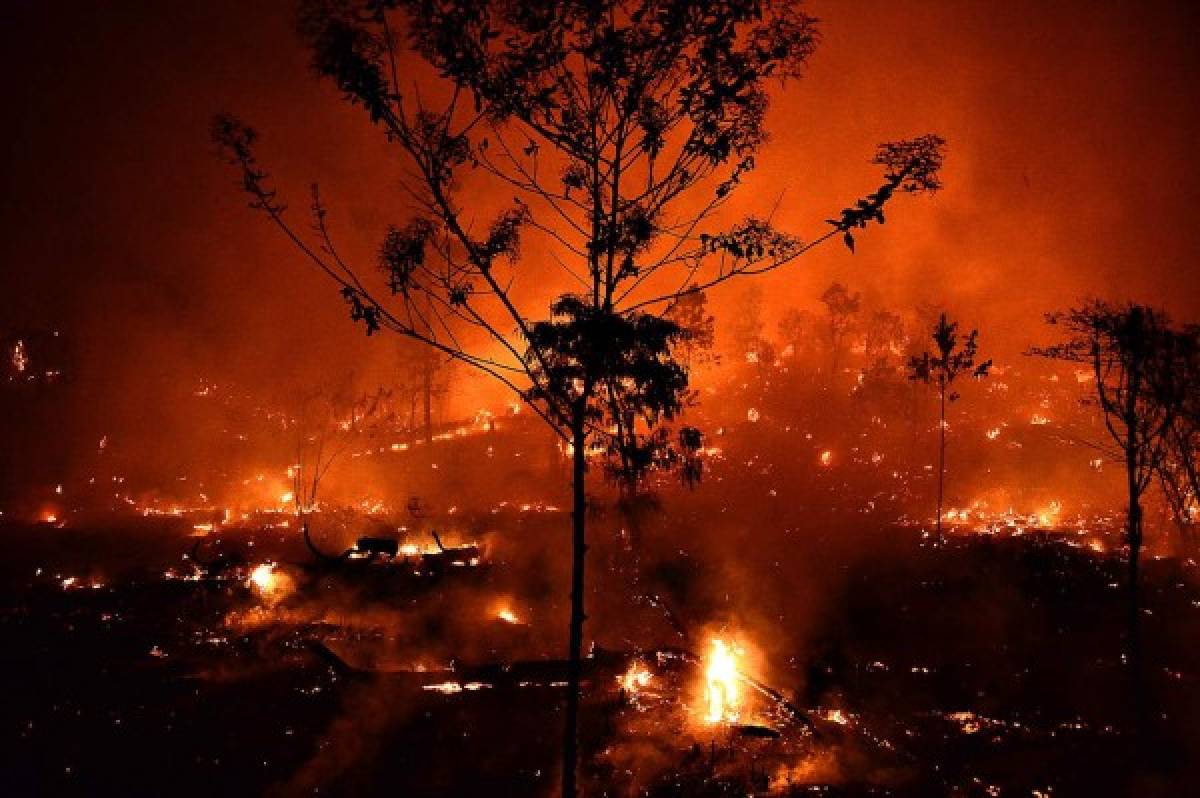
(621, 398)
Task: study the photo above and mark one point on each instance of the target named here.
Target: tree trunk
(575, 646)
(941, 464)
(427, 391)
(1134, 536)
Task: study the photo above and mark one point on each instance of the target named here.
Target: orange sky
(1072, 171)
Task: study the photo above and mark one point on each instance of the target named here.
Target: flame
(1048, 516)
(20, 360)
(721, 678)
(507, 615)
(827, 458)
(270, 583)
(634, 679)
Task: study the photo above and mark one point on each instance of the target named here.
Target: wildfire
(270, 583)
(722, 682)
(20, 360)
(1048, 516)
(634, 679)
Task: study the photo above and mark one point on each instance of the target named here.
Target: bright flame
(270, 583)
(634, 679)
(1048, 516)
(721, 683)
(826, 458)
(507, 615)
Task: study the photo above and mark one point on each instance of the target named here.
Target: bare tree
(330, 420)
(423, 376)
(622, 128)
(842, 308)
(795, 330)
(939, 368)
(1128, 348)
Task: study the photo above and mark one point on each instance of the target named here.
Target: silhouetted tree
(599, 117)
(842, 309)
(690, 312)
(795, 330)
(1129, 349)
(423, 376)
(746, 324)
(884, 335)
(330, 420)
(939, 368)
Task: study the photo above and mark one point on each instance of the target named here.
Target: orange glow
(722, 691)
(270, 583)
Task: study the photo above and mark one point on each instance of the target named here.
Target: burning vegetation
(606, 533)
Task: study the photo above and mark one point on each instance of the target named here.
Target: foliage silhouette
(939, 368)
(622, 128)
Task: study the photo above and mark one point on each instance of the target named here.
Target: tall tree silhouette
(1129, 349)
(423, 376)
(621, 129)
(939, 368)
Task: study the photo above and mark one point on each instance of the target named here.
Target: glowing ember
(507, 615)
(837, 716)
(634, 679)
(1048, 516)
(270, 583)
(721, 692)
(20, 360)
(449, 688)
(827, 458)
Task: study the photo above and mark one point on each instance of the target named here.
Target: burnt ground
(991, 667)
